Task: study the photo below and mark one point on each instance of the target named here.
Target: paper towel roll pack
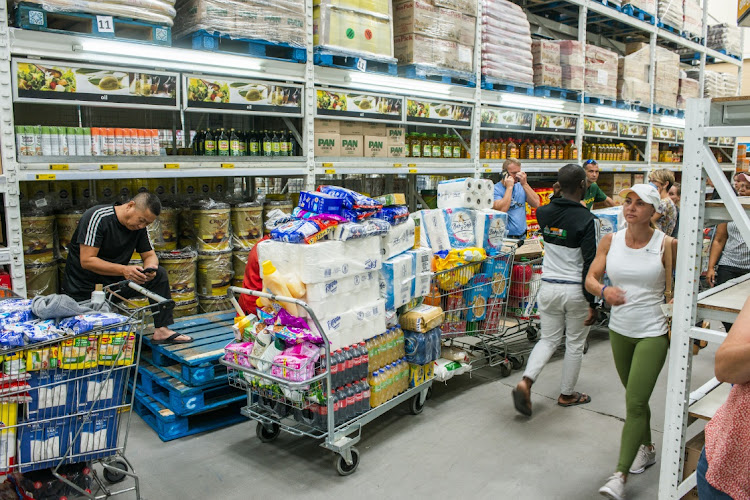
(433, 232)
(398, 240)
(460, 225)
(421, 260)
(397, 281)
(491, 228)
(610, 220)
(465, 193)
(333, 288)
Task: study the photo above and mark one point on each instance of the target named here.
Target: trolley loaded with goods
(63, 403)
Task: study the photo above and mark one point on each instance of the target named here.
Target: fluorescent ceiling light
(671, 121)
(401, 85)
(620, 114)
(524, 101)
(155, 53)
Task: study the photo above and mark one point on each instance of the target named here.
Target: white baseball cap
(646, 192)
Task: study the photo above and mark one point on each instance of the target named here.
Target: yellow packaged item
(116, 348)
(450, 278)
(79, 352)
(429, 371)
(41, 359)
(14, 364)
(422, 319)
(416, 375)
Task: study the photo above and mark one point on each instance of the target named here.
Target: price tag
(171, 165)
(412, 170)
(330, 171)
(105, 24)
(46, 177)
(227, 165)
(411, 165)
(397, 165)
(362, 64)
(485, 165)
(488, 170)
(327, 165)
(108, 167)
(59, 166)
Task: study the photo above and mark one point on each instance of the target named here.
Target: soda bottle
(223, 143)
(209, 144)
(337, 407)
(392, 346)
(356, 362)
(334, 370)
(401, 350)
(348, 366)
(365, 359)
(366, 391)
(374, 388)
(351, 402)
(359, 398)
(375, 353)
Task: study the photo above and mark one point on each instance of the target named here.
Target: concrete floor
(469, 441)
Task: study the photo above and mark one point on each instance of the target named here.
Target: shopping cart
(303, 405)
(64, 406)
(474, 299)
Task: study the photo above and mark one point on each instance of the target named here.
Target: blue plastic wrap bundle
(422, 348)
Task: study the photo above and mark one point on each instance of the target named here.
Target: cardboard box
(327, 145)
(572, 77)
(375, 146)
(419, 49)
(378, 129)
(396, 151)
(394, 132)
(621, 181)
(327, 126)
(693, 449)
(421, 17)
(352, 145)
(545, 52)
(530, 249)
(548, 75)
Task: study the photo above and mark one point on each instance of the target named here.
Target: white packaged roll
(460, 224)
(317, 292)
(491, 228)
(433, 230)
(398, 240)
(459, 193)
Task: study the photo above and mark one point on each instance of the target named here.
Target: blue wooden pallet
(215, 42)
(601, 101)
(692, 37)
(639, 14)
(669, 28)
(510, 87)
(696, 56)
(558, 93)
(662, 110)
(210, 333)
(34, 17)
(430, 73)
(618, 8)
(633, 106)
(195, 376)
(182, 399)
(323, 57)
(169, 426)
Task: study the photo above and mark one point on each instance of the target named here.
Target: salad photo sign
(62, 83)
(439, 113)
(507, 119)
(207, 93)
(345, 104)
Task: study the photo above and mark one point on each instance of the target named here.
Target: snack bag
(79, 352)
(116, 348)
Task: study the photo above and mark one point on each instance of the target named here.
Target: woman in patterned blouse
(665, 218)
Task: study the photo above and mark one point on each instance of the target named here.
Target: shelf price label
(330, 171)
(397, 165)
(488, 170)
(412, 165)
(59, 166)
(108, 167)
(227, 165)
(412, 170)
(45, 177)
(171, 165)
(327, 165)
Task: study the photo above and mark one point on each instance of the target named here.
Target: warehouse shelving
(706, 118)
(584, 23)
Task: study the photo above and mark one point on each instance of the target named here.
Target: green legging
(638, 362)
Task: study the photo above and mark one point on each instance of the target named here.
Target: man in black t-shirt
(100, 252)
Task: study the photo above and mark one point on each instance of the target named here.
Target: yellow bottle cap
(268, 268)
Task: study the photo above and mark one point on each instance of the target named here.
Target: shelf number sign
(104, 24)
(361, 64)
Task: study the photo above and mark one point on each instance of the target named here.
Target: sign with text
(438, 113)
(507, 119)
(345, 104)
(223, 94)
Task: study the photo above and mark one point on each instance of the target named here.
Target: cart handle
(160, 301)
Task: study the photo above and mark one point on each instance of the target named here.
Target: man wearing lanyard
(594, 193)
(512, 194)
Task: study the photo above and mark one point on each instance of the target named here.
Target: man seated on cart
(101, 249)
(512, 194)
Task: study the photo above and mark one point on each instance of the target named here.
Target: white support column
(583, 12)
(476, 119)
(308, 144)
(704, 34)
(652, 79)
(10, 164)
(684, 315)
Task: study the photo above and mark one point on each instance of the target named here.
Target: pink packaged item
(296, 363)
(239, 354)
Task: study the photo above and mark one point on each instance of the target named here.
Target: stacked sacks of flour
(506, 43)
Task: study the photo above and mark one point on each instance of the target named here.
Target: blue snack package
(352, 199)
(320, 203)
(87, 322)
(295, 231)
(357, 215)
(394, 215)
(353, 230)
(10, 339)
(13, 305)
(36, 331)
(18, 316)
(299, 213)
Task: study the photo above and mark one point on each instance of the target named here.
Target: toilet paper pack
(325, 290)
(465, 193)
(422, 283)
(341, 303)
(491, 228)
(433, 232)
(610, 220)
(397, 281)
(421, 260)
(398, 240)
(460, 224)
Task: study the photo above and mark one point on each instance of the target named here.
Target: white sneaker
(614, 488)
(644, 459)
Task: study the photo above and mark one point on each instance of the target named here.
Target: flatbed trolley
(307, 408)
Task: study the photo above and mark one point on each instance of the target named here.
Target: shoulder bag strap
(668, 266)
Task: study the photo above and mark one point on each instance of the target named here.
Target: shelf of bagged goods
(716, 210)
(76, 168)
(724, 302)
(437, 166)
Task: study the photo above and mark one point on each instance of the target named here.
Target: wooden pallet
(429, 73)
(215, 42)
(558, 93)
(184, 400)
(639, 14)
(210, 333)
(195, 376)
(633, 106)
(31, 16)
(169, 426)
(506, 86)
(671, 29)
(323, 57)
(600, 101)
(667, 111)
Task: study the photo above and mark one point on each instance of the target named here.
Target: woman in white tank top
(634, 262)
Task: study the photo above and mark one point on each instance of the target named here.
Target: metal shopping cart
(300, 401)
(475, 298)
(64, 406)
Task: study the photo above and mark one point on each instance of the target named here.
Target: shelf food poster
(555, 123)
(61, 83)
(664, 134)
(233, 95)
(633, 131)
(600, 127)
(506, 119)
(343, 104)
(438, 113)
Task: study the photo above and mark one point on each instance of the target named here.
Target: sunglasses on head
(590, 162)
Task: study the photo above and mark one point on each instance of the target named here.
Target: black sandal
(172, 339)
(580, 399)
(522, 402)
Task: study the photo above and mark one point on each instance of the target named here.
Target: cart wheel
(429, 393)
(586, 346)
(266, 434)
(416, 406)
(517, 362)
(113, 476)
(342, 467)
(532, 334)
(505, 368)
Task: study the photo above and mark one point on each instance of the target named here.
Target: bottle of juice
(457, 148)
(512, 149)
(426, 146)
(437, 150)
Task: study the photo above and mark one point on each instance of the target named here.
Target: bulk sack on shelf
(154, 11)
